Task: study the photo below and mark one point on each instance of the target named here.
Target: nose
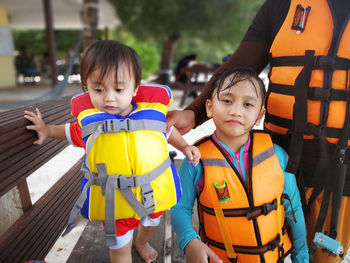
(109, 96)
(235, 109)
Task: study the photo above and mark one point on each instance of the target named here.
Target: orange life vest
(309, 78)
(248, 218)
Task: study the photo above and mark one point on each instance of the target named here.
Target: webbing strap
(336, 198)
(142, 210)
(320, 62)
(102, 176)
(320, 220)
(300, 112)
(77, 207)
(120, 125)
(110, 229)
(279, 217)
(225, 233)
(116, 182)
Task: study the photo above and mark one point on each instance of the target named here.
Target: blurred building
(29, 14)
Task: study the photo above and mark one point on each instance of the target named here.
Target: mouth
(234, 122)
(110, 107)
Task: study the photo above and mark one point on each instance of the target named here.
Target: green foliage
(148, 52)
(211, 29)
(36, 42)
(209, 20)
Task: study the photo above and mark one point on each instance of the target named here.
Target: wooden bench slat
(11, 115)
(14, 132)
(52, 227)
(39, 219)
(11, 176)
(26, 155)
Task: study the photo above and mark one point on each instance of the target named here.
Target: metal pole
(51, 40)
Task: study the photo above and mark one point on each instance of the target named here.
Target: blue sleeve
(181, 213)
(300, 252)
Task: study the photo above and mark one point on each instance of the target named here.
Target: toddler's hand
(192, 153)
(39, 126)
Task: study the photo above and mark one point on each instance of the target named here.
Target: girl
(244, 196)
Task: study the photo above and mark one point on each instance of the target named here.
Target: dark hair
(238, 74)
(106, 55)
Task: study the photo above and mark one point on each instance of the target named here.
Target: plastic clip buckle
(126, 182)
(267, 208)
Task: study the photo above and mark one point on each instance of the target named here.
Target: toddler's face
(109, 95)
(237, 109)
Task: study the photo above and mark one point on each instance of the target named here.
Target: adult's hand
(184, 120)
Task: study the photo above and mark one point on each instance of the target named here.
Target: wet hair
(236, 75)
(107, 55)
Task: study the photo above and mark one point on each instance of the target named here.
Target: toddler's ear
(209, 108)
(136, 89)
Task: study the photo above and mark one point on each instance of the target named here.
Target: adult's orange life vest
(309, 91)
(238, 221)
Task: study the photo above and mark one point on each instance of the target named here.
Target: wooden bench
(198, 76)
(35, 232)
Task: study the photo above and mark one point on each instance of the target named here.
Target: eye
(247, 104)
(226, 101)
(119, 90)
(98, 90)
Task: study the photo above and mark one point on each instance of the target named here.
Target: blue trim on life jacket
(85, 210)
(176, 182)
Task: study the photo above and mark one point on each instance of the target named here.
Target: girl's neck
(234, 143)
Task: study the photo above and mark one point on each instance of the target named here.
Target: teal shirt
(190, 175)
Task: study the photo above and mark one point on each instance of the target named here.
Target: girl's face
(236, 111)
(111, 96)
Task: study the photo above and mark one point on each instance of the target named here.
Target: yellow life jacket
(238, 221)
(128, 173)
(309, 93)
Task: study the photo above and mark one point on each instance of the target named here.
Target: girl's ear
(260, 116)
(209, 108)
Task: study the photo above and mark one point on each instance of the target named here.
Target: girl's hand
(197, 252)
(192, 153)
(39, 126)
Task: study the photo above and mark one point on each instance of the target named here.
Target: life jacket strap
(77, 207)
(123, 125)
(256, 250)
(231, 255)
(250, 213)
(319, 62)
(110, 183)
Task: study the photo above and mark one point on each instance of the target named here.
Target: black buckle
(326, 62)
(267, 208)
(317, 93)
(273, 244)
(233, 260)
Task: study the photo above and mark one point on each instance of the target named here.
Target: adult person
(306, 44)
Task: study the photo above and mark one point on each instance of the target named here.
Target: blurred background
(38, 37)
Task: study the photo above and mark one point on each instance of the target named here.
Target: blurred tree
(90, 21)
(166, 22)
